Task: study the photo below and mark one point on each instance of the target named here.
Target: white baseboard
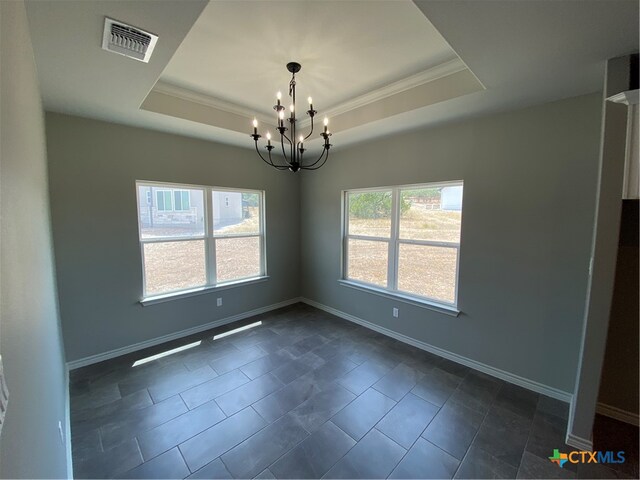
(617, 414)
(67, 426)
(83, 362)
(579, 442)
(489, 370)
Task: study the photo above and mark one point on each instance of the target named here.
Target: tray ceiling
(231, 64)
(376, 67)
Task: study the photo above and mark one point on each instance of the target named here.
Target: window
(163, 199)
(405, 240)
(172, 200)
(192, 236)
(182, 200)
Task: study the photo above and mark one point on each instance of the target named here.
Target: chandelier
(295, 159)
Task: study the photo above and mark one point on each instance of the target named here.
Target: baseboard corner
(579, 442)
(454, 357)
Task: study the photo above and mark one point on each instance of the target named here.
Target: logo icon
(559, 458)
(584, 456)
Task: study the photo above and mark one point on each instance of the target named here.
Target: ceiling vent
(129, 41)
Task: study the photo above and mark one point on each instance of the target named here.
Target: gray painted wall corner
(603, 250)
(97, 249)
(529, 198)
(31, 341)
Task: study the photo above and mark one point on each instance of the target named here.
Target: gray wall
(30, 340)
(528, 211)
(97, 250)
(604, 249)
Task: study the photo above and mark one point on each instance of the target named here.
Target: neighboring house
(177, 207)
(451, 198)
(227, 208)
(183, 207)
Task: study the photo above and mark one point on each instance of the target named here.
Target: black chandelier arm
(311, 128)
(323, 162)
(284, 154)
(260, 155)
(267, 161)
(325, 154)
(319, 166)
(292, 146)
(279, 167)
(285, 136)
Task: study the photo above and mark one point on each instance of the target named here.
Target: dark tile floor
(308, 395)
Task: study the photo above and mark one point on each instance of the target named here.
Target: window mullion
(392, 267)
(345, 235)
(211, 242)
(455, 294)
(144, 271)
(262, 211)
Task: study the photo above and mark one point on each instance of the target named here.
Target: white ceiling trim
(447, 68)
(434, 73)
(207, 100)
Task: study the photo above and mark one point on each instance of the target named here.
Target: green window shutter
(186, 200)
(178, 199)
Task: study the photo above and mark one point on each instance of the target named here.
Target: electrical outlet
(219, 302)
(61, 431)
(396, 312)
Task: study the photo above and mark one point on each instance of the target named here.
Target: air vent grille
(129, 41)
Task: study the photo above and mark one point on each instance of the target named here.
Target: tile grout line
(477, 432)
(177, 447)
(426, 426)
(359, 348)
(99, 429)
(337, 426)
(439, 410)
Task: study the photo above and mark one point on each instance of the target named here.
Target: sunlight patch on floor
(142, 361)
(236, 330)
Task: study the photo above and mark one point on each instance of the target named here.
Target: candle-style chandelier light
(295, 159)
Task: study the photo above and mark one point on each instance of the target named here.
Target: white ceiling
(237, 51)
(523, 51)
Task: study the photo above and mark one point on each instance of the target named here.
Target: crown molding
(434, 73)
(182, 93)
(444, 69)
(447, 68)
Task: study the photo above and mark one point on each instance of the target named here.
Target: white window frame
(209, 238)
(394, 241)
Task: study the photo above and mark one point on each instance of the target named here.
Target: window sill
(166, 297)
(418, 302)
